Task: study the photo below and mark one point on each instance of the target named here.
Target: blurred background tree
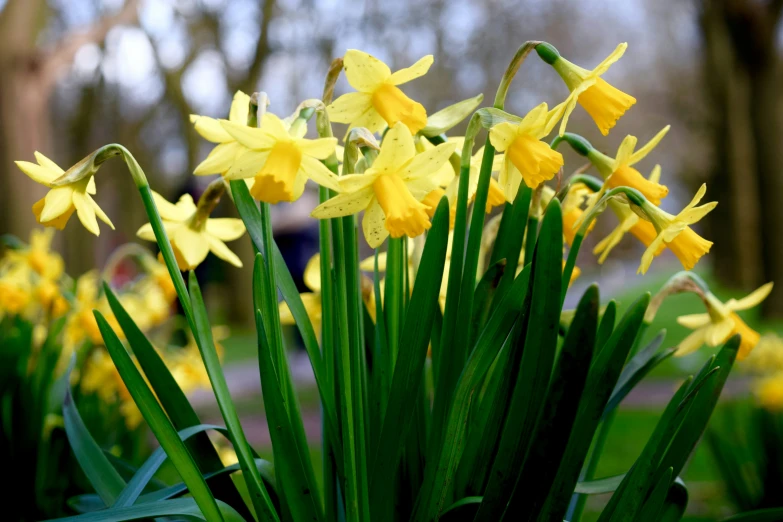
(76, 74)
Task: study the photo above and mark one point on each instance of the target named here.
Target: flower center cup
(394, 106)
(275, 181)
(404, 215)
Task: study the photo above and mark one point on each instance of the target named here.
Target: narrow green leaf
(599, 486)
(445, 119)
(158, 421)
(761, 515)
(485, 291)
(181, 507)
(654, 504)
(462, 511)
(675, 504)
(606, 326)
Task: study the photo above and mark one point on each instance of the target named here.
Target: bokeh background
(77, 74)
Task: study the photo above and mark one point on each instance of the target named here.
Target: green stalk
(393, 297)
(578, 501)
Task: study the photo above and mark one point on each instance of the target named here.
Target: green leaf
(297, 490)
(603, 375)
(509, 241)
(550, 445)
(407, 381)
(158, 421)
(675, 504)
(490, 116)
(654, 504)
(462, 511)
(599, 486)
(181, 507)
(485, 291)
(104, 478)
(203, 335)
(606, 326)
(445, 119)
(761, 515)
(174, 402)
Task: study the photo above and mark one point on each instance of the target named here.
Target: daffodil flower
(311, 300)
(228, 148)
(379, 101)
(279, 158)
(674, 232)
(571, 208)
(15, 288)
(618, 171)
(39, 255)
(60, 202)
(526, 156)
(721, 322)
(769, 392)
(192, 234)
(391, 190)
(603, 102)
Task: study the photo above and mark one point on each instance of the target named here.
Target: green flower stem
(393, 296)
(578, 501)
(511, 71)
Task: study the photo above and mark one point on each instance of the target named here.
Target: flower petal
(86, 212)
(416, 70)
(57, 202)
(47, 163)
(534, 121)
(363, 71)
(649, 146)
(625, 150)
(374, 224)
(609, 60)
(227, 229)
(240, 107)
(210, 129)
(217, 247)
(694, 215)
(99, 212)
(355, 182)
(428, 162)
(693, 321)
(397, 147)
(503, 135)
(274, 126)
(193, 246)
(320, 148)
(220, 159)
(247, 164)
(145, 231)
(37, 173)
(752, 299)
(349, 107)
(250, 137)
(691, 343)
(317, 171)
(371, 120)
(179, 212)
(312, 273)
(344, 204)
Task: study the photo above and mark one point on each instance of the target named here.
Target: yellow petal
(395, 106)
(99, 212)
(689, 247)
(247, 164)
(220, 159)
(86, 212)
(312, 273)
(625, 150)
(396, 148)
(570, 105)
(250, 137)
(145, 232)
(428, 162)
(354, 182)
(179, 212)
(47, 163)
(320, 148)
(416, 70)
(318, 172)
(91, 185)
(227, 229)
(370, 120)
(691, 343)
(509, 180)
(192, 245)
(344, 204)
(552, 117)
(652, 250)
(644, 151)
(58, 201)
(210, 129)
(534, 159)
(217, 247)
(363, 71)
(405, 215)
(373, 225)
(503, 135)
(240, 107)
(694, 215)
(753, 299)
(274, 126)
(693, 321)
(37, 173)
(605, 104)
(655, 174)
(609, 60)
(349, 107)
(534, 121)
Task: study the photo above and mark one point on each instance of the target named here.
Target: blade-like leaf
(181, 507)
(445, 119)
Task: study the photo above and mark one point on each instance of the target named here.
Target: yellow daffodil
(228, 148)
(769, 392)
(15, 288)
(618, 171)
(279, 158)
(603, 102)
(526, 156)
(39, 255)
(674, 232)
(51, 298)
(571, 208)
(194, 235)
(56, 208)
(378, 101)
(311, 300)
(390, 190)
(721, 322)
(767, 356)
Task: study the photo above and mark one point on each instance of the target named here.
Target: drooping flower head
(60, 202)
(279, 158)
(721, 322)
(391, 190)
(603, 102)
(526, 156)
(193, 234)
(378, 101)
(222, 156)
(618, 171)
(572, 209)
(675, 232)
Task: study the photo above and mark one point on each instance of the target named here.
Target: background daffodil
(222, 156)
(618, 171)
(378, 102)
(674, 232)
(721, 322)
(526, 156)
(391, 190)
(603, 102)
(192, 235)
(60, 202)
(311, 300)
(280, 159)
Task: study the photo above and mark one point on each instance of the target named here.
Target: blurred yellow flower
(279, 158)
(391, 190)
(526, 156)
(81, 325)
(603, 102)
(769, 392)
(56, 208)
(15, 288)
(193, 235)
(222, 156)
(618, 171)
(311, 300)
(39, 255)
(378, 102)
(722, 322)
(674, 232)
